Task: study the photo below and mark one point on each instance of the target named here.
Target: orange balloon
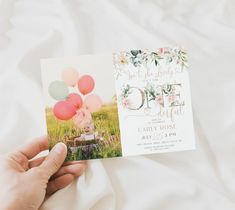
(86, 84)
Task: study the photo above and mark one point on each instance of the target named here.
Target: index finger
(34, 147)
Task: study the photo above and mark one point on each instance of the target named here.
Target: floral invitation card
(125, 103)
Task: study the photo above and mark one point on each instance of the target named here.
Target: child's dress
(88, 137)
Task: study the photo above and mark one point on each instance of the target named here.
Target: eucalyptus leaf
(156, 63)
(134, 52)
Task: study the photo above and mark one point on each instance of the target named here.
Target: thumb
(55, 159)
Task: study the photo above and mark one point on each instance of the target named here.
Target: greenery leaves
(126, 91)
(140, 58)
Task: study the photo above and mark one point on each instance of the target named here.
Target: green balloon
(58, 90)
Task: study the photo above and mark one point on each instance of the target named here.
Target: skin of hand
(26, 183)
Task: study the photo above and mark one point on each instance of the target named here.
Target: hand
(25, 183)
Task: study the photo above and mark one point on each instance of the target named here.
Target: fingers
(18, 160)
(74, 162)
(34, 147)
(54, 160)
(59, 183)
(74, 169)
(53, 169)
(36, 162)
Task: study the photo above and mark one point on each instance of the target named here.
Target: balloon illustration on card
(86, 84)
(92, 102)
(70, 76)
(75, 99)
(77, 105)
(63, 110)
(58, 90)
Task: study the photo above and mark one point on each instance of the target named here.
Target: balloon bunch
(74, 105)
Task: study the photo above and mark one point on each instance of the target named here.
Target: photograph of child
(81, 109)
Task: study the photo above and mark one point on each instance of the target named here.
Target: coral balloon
(86, 84)
(82, 117)
(58, 90)
(92, 102)
(70, 76)
(63, 110)
(75, 100)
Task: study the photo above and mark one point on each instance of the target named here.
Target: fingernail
(59, 148)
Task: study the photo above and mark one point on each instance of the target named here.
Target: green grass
(106, 123)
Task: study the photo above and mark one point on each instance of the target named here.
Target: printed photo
(81, 106)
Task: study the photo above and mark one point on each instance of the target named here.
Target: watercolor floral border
(144, 57)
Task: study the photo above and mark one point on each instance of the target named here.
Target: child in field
(89, 133)
(88, 142)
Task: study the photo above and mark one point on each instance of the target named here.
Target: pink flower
(125, 102)
(161, 50)
(171, 98)
(159, 99)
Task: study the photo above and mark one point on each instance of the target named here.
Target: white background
(195, 180)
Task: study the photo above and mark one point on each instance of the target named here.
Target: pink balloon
(70, 76)
(75, 100)
(63, 110)
(92, 102)
(86, 84)
(82, 117)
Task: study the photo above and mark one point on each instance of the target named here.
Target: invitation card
(119, 104)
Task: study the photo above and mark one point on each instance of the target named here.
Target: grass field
(106, 123)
